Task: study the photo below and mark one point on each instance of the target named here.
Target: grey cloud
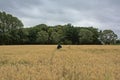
(103, 14)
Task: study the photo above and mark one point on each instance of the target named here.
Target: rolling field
(72, 62)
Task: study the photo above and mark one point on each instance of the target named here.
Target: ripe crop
(72, 62)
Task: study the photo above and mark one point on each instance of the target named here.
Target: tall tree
(8, 23)
(95, 35)
(71, 34)
(42, 37)
(118, 41)
(108, 37)
(86, 36)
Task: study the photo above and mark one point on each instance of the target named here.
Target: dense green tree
(5, 38)
(14, 37)
(86, 36)
(108, 37)
(42, 37)
(8, 23)
(60, 30)
(43, 27)
(71, 34)
(118, 41)
(95, 35)
(12, 32)
(55, 37)
(23, 36)
(32, 35)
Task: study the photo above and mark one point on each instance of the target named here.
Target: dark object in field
(59, 46)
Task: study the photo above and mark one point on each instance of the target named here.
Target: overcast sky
(102, 14)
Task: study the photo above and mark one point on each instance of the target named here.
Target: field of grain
(72, 62)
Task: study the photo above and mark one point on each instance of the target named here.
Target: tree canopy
(9, 26)
(13, 32)
(108, 37)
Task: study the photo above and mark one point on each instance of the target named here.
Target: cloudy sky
(102, 14)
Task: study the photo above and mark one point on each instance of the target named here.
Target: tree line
(12, 32)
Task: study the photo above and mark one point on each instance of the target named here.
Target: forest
(13, 32)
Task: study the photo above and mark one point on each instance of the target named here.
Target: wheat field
(72, 62)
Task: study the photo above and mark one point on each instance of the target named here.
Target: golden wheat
(45, 62)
